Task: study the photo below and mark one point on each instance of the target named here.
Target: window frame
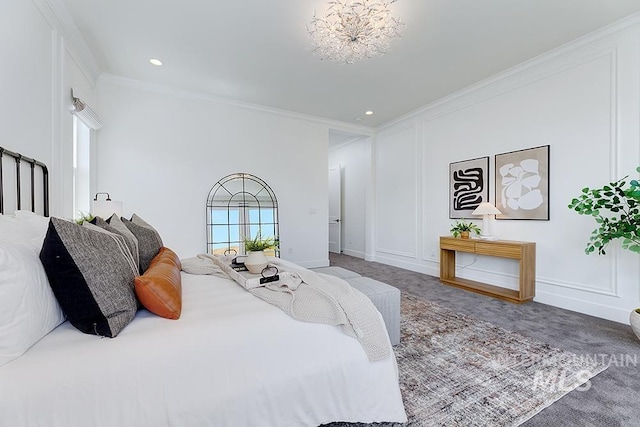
(81, 164)
(246, 194)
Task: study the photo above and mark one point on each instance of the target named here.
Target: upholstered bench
(340, 272)
(385, 297)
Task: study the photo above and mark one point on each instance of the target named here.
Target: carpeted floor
(458, 370)
(612, 399)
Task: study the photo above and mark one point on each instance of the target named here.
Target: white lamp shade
(486, 208)
(105, 208)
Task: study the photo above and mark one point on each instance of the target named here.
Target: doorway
(335, 209)
(350, 192)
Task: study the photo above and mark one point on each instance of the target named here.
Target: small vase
(256, 261)
(634, 320)
(464, 234)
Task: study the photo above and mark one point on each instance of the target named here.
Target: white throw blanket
(310, 297)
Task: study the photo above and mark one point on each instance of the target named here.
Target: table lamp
(105, 208)
(485, 209)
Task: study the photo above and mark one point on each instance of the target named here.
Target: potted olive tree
(616, 209)
(462, 229)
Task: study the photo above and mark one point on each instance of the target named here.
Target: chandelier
(352, 30)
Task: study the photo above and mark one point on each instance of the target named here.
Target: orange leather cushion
(159, 289)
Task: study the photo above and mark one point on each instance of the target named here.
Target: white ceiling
(257, 51)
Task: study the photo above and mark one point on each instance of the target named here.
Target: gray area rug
(457, 370)
(612, 401)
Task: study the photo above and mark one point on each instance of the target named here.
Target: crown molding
(189, 94)
(349, 142)
(523, 73)
(56, 13)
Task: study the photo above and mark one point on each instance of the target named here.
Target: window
(81, 166)
(240, 206)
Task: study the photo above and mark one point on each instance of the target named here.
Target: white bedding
(230, 360)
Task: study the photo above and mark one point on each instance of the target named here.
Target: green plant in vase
(616, 209)
(256, 259)
(259, 244)
(462, 229)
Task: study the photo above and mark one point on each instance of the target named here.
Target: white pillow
(40, 223)
(12, 229)
(24, 227)
(28, 308)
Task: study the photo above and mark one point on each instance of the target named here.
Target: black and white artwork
(522, 184)
(468, 186)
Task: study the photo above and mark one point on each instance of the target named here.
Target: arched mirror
(240, 206)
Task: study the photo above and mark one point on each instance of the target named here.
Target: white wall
(39, 67)
(26, 85)
(160, 152)
(354, 159)
(582, 100)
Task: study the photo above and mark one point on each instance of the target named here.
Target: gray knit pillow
(120, 240)
(114, 225)
(91, 274)
(149, 241)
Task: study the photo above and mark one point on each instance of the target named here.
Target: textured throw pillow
(114, 225)
(159, 289)
(28, 308)
(122, 243)
(149, 241)
(91, 274)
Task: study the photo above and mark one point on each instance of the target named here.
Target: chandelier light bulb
(352, 30)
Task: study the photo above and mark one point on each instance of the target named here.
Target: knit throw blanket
(310, 297)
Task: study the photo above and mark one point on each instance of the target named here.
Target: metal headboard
(20, 159)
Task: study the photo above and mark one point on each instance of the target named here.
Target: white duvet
(230, 360)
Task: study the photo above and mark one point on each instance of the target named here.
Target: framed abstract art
(522, 184)
(468, 186)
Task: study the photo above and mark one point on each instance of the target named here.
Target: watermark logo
(552, 380)
(618, 360)
(550, 375)
(621, 360)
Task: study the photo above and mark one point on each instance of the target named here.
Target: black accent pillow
(149, 241)
(92, 276)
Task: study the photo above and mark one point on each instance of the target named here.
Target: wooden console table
(525, 252)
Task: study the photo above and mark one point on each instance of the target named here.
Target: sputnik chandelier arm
(352, 30)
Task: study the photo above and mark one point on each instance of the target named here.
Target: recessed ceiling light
(155, 62)
(369, 113)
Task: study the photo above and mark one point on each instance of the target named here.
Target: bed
(230, 360)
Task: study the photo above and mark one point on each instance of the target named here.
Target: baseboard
(431, 270)
(356, 254)
(614, 314)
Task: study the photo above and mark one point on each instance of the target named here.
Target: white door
(335, 209)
